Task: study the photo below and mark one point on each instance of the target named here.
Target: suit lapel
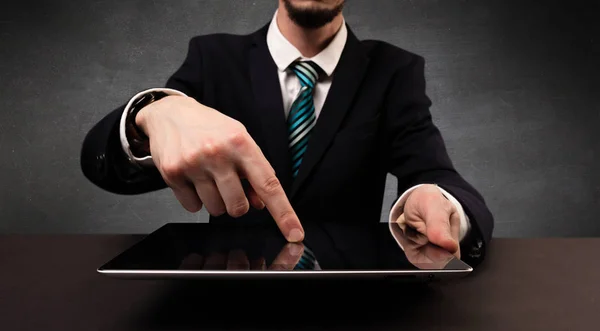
(268, 110)
(346, 80)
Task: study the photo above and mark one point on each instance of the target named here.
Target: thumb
(439, 231)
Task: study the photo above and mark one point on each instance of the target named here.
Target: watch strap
(128, 117)
(139, 143)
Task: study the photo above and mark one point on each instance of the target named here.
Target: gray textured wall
(514, 84)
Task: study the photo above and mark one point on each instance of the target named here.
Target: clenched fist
(202, 156)
(431, 218)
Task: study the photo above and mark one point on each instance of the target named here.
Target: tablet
(253, 250)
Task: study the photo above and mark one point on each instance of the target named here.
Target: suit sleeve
(103, 160)
(417, 155)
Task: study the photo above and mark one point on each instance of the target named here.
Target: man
(299, 117)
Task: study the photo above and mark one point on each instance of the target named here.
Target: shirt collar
(284, 53)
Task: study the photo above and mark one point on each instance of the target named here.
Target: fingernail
(296, 235)
(294, 249)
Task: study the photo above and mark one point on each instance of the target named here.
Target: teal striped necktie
(302, 117)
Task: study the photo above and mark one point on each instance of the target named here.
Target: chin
(313, 14)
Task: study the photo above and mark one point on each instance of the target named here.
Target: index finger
(288, 257)
(265, 183)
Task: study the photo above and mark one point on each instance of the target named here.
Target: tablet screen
(261, 247)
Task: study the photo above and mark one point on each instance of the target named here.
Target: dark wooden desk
(50, 283)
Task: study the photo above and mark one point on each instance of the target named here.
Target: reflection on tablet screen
(327, 246)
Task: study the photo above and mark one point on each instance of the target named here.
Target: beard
(312, 18)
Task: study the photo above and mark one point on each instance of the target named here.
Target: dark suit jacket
(375, 121)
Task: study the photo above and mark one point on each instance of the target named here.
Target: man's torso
(345, 168)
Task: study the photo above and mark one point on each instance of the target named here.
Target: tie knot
(307, 71)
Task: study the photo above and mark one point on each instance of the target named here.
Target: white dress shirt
(284, 54)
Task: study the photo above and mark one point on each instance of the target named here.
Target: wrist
(134, 141)
(141, 120)
(138, 140)
(147, 114)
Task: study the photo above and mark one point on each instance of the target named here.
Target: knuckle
(172, 170)
(190, 159)
(287, 216)
(209, 151)
(238, 208)
(238, 139)
(271, 186)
